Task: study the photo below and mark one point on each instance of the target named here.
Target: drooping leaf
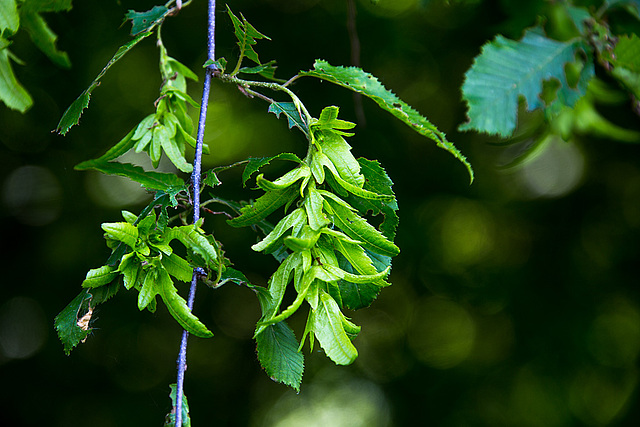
(194, 240)
(507, 69)
(329, 328)
(167, 182)
(11, 91)
(151, 286)
(377, 181)
(178, 307)
(178, 267)
(144, 21)
(357, 228)
(255, 163)
(359, 81)
(279, 356)
(290, 110)
(295, 218)
(170, 419)
(71, 116)
(100, 276)
(263, 206)
(66, 323)
(43, 37)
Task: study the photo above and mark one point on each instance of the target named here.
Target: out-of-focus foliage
(514, 300)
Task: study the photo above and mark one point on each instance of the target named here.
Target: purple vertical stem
(196, 176)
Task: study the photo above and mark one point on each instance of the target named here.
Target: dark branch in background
(355, 57)
(195, 182)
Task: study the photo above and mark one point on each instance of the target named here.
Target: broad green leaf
(178, 267)
(292, 113)
(279, 356)
(151, 180)
(357, 228)
(627, 53)
(66, 323)
(507, 69)
(285, 180)
(131, 270)
(171, 150)
(328, 325)
(194, 240)
(100, 276)
(359, 81)
(44, 38)
(170, 419)
(255, 163)
(356, 190)
(145, 21)
(339, 152)
(11, 91)
(313, 205)
(121, 231)
(9, 17)
(151, 287)
(264, 206)
(178, 307)
(72, 115)
(103, 293)
(295, 218)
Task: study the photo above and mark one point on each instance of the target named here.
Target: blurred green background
(515, 301)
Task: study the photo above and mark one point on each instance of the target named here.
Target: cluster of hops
(332, 255)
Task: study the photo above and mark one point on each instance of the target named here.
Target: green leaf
(121, 231)
(246, 35)
(178, 307)
(44, 38)
(66, 323)
(178, 267)
(170, 419)
(255, 163)
(286, 180)
(171, 149)
(100, 276)
(9, 17)
(313, 205)
(279, 356)
(359, 81)
(72, 115)
(151, 287)
(507, 69)
(295, 219)
(264, 206)
(267, 70)
(328, 325)
(103, 293)
(627, 53)
(131, 270)
(145, 21)
(377, 181)
(11, 91)
(194, 240)
(167, 182)
(292, 114)
(357, 228)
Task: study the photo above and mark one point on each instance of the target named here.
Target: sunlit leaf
(264, 206)
(11, 91)
(178, 307)
(329, 328)
(100, 276)
(294, 219)
(121, 231)
(364, 83)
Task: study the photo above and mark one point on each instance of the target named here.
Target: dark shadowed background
(515, 301)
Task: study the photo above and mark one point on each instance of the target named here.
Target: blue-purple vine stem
(196, 176)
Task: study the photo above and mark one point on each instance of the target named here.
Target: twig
(195, 180)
